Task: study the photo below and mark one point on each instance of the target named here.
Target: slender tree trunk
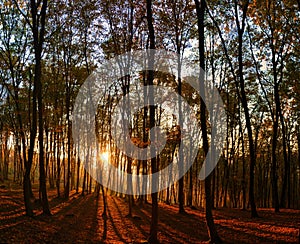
(38, 30)
(38, 75)
(67, 186)
(58, 165)
(104, 201)
(285, 158)
(78, 173)
(274, 158)
(129, 183)
(27, 191)
(154, 214)
(190, 200)
(211, 228)
(289, 176)
(180, 153)
(90, 184)
(83, 183)
(244, 165)
(28, 163)
(217, 187)
(244, 102)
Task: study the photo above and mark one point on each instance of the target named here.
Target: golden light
(104, 156)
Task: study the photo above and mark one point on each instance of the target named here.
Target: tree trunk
(275, 199)
(78, 173)
(67, 186)
(154, 214)
(243, 163)
(190, 200)
(38, 77)
(212, 232)
(244, 102)
(180, 153)
(83, 183)
(27, 192)
(38, 30)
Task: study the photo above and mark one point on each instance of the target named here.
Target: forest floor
(79, 219)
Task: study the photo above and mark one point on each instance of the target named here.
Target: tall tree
(37, 22)
(38, 16)
(241, 24)
(213, 235)
(14, 53)
(276, 34)
(154, 216)
(240, 15)
(177, 19)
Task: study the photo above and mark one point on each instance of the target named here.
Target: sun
(104, 156)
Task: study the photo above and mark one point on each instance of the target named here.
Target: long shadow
(40, 227)
(104, 235)
(96, 224)
(240, 236)
(181, 224)
(104, 218)
(10, 204)
(144, 218)
(9, 223)
(135, 223)
(16, 212)
(243, 221)
(62, 205)
(141, 213)
(174, 224)
(57, 201)
(94, 229)
(76, 218)
(114, 226)
(256, 233)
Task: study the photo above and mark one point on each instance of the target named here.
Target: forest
(72, 114)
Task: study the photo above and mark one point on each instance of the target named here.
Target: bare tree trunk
(243, 163)
(244, 102)
(154, 215)
(78, 173)
(83, 184)
(37, 24)
(67, 185)
(285, 157)
(211, 228)
(190, 200)
(38, 45)
(58, 166)
(274, 158)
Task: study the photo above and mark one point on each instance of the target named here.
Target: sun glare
(105, 156)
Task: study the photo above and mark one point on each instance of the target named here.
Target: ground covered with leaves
(80, 219)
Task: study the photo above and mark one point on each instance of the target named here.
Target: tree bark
(274, 157)
(38, 30)
(212, 232)
(154, 214)
(244, 102)
(37, 25)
